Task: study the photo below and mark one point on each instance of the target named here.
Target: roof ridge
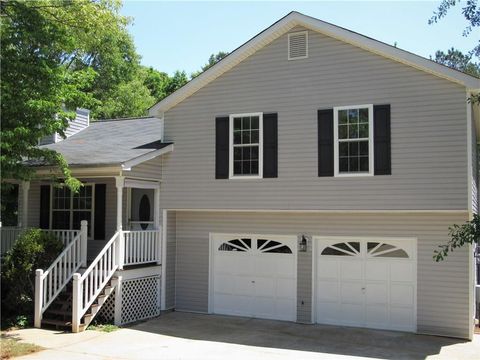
(124, 119)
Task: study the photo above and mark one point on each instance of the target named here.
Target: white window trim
(370, 141)
(260, 147)
(91, 223)
(306, 45)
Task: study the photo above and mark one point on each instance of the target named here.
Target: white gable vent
(298, 45)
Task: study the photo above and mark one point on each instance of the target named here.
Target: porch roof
(111, 142)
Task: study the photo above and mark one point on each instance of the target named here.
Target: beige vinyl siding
(428, 131)
(474, 175)
(171, 257)
(151, 169)
(80, 122)
(443, 288)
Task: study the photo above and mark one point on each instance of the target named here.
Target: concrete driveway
(194, 336)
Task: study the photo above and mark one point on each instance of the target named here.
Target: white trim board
(288, 22)
(347, 211)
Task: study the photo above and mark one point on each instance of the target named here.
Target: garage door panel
(376, 270)
(327, 291)
(402, 271)
(351, 314)
(327, 269)
(401, 294)
(351, 292)
(376, 293)
(254, 282)
(373, 285)
(351, 270)
(376, 315)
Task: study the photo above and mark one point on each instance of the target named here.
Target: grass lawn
(11, 347)
(103, 327)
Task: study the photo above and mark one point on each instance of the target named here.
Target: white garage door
(254, 276)
(366, 282)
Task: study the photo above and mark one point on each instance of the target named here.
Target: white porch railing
(50, 283)
(142, 247)
(8, 236)
(88, 286)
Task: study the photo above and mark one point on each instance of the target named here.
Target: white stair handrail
(49, 283)
(87, 287)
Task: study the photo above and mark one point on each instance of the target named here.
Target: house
(315, 171)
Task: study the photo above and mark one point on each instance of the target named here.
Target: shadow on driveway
(291, 336)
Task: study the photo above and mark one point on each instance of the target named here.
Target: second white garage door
(254, 276)
(366, 282)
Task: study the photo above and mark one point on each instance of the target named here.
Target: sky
(180, 35)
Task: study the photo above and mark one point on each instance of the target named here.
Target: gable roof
(297, 19)
(113, 142)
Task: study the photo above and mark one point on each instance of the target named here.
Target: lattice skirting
(140, 300)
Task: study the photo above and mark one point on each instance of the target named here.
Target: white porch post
(25, 190)
(117, 317)
(120, 183)
(156, 222)
(83, 241)
(38, 298)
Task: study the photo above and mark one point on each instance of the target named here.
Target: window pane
(237, 167)
(342, 117)
(246, 167)
(246, 153)
(363, 147)
(245, 137)
(254, 137)
(353, 164)
(254, 123)
(237, 137)
(363, 115)
(246, 123)
(343, 165)
(353, 116)
(353, 131)
(353, 149)
(342, 131)
(343, 148)
(237, 124)
(255, 152)
(363, 132)
(61, 220)
(364, 163)
(254, 168)
(79, 216)
(237, 153)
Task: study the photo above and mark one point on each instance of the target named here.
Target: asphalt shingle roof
(109, 142)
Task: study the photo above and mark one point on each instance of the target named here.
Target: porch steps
(59, 313)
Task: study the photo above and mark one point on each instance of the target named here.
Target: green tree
(467, 233)
(178, 79)
(156, 82)
(457, 60)
(470, 11)
(56, 55)
(212, 60)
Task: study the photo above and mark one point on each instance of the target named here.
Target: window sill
(354, 175)
(245, 177)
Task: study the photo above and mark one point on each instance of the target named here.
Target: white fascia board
(127, 165)
(296, 19)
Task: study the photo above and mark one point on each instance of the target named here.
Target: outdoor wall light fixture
(302, 243)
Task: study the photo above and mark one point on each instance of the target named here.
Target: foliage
(57, 55)
(212, 60)
(12, 348)
(457, 60)
(468, 233)
(34, 249)
(471, 12)
(160, 84)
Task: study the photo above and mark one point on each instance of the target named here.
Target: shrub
(34, 249)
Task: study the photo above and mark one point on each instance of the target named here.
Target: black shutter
(381, 130)
(325, 142)
(44, 207)
(270, 145)
(99, 216)
(221, 147)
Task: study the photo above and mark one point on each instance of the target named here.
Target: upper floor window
(353, 140)
(246, 145)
